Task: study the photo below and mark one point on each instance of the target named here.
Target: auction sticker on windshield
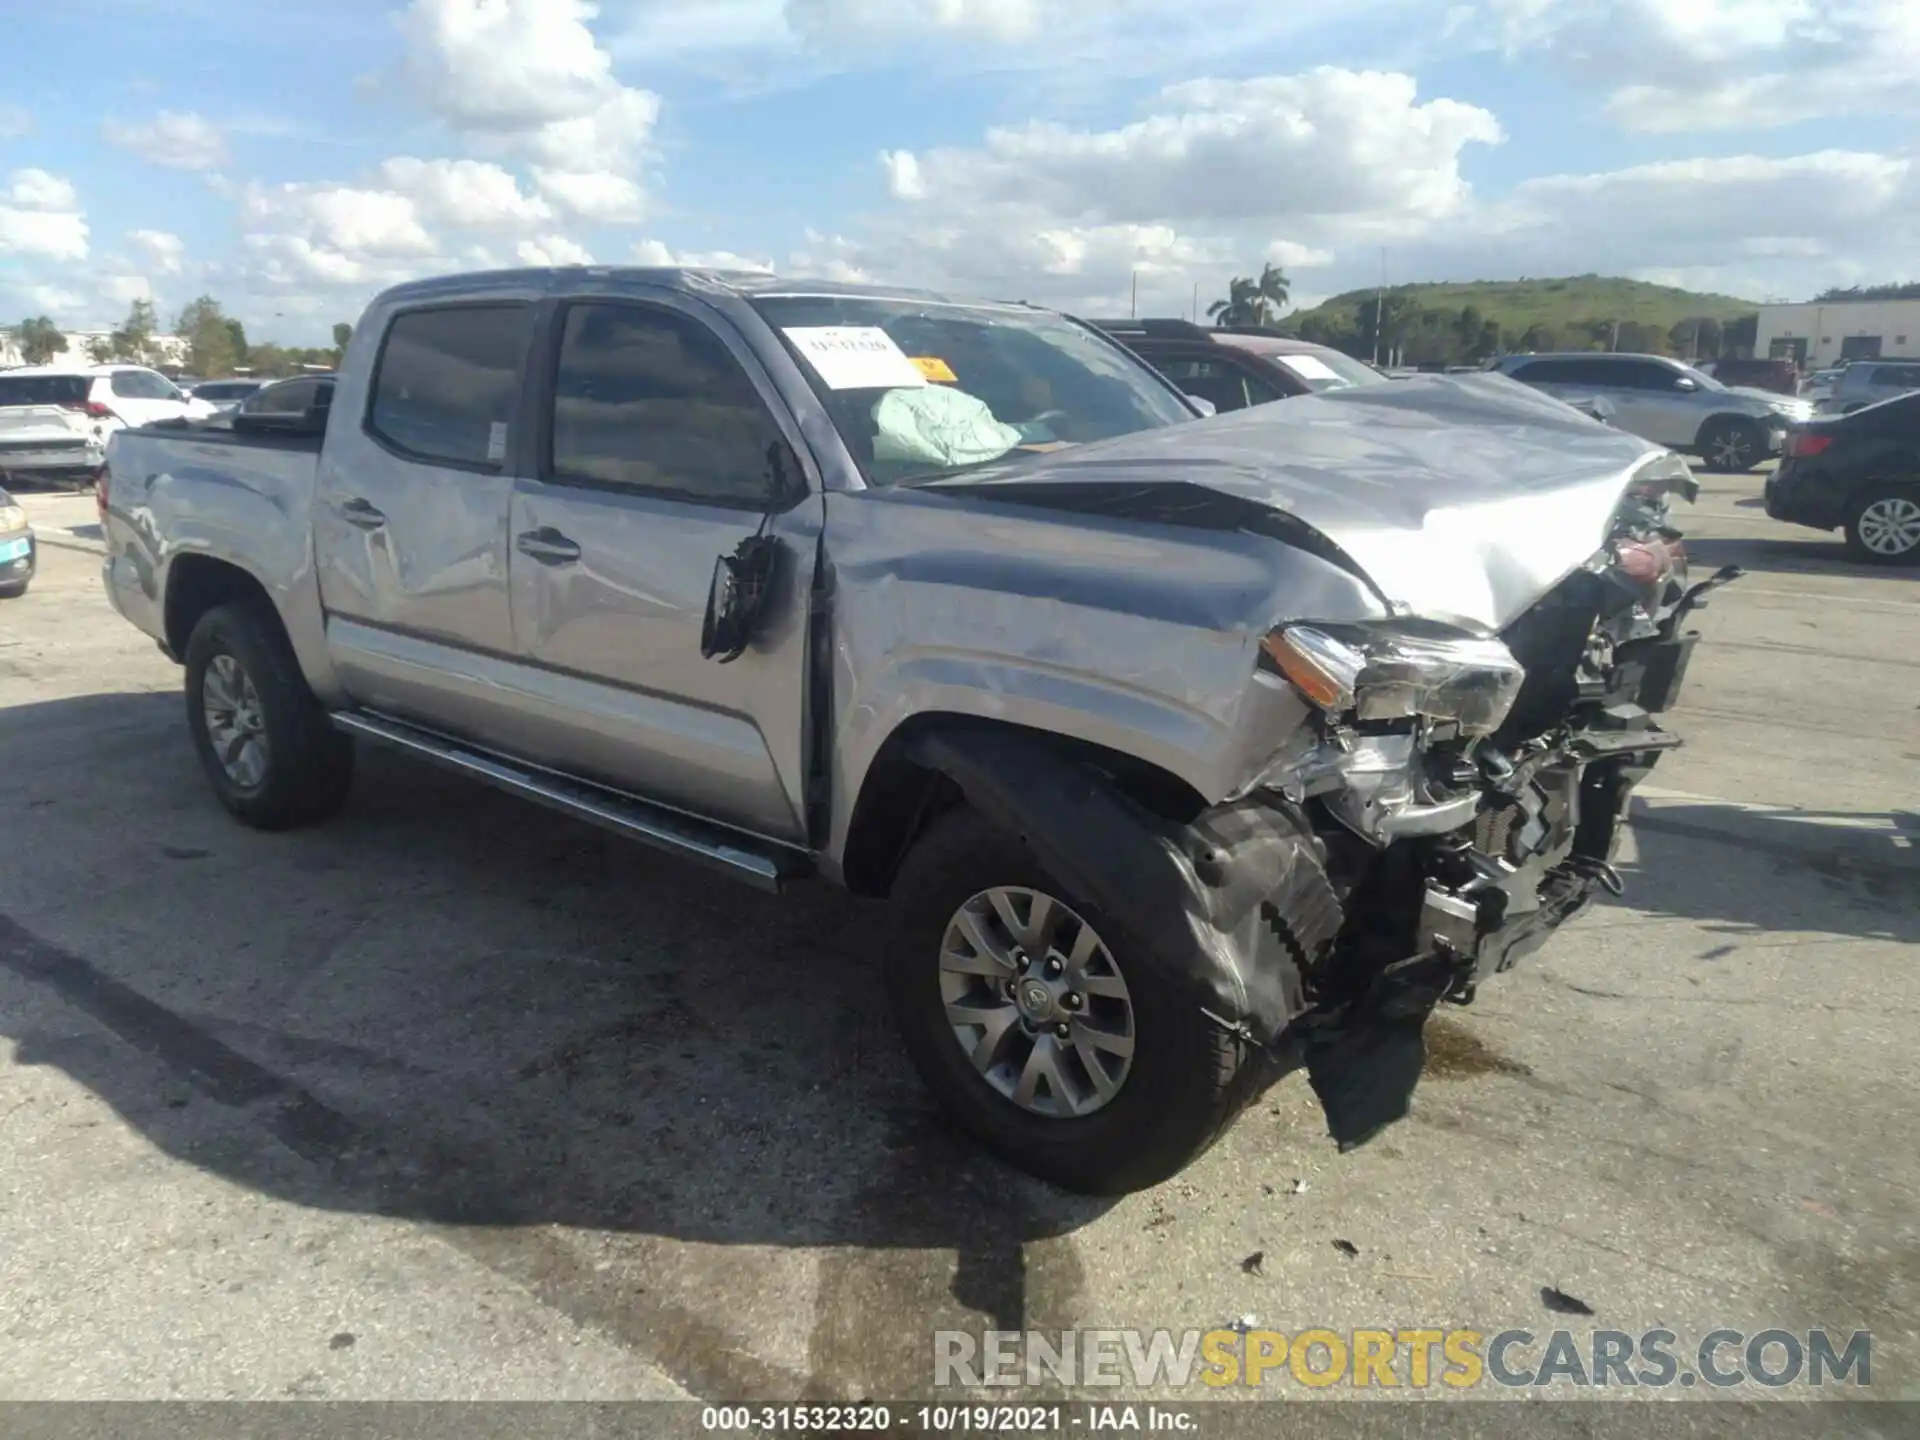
(856, 357)
(1307, 367)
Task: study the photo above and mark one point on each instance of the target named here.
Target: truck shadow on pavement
(457, 1009)
(1759, 872)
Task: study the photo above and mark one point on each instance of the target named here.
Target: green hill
(1517, 304)
(1453, 322)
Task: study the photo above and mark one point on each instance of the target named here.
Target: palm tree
(1252, 301)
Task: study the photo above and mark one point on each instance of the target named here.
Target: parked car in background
(1867, 382)
(1184, 751)
(1858, 473)
(1235, 367)
(225, 394)
(18, 549)
(1669, 402)
(1819, 385)
(49, 428)
(55, 420)
(1780, 377)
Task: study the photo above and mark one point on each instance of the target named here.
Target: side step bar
(763, 865)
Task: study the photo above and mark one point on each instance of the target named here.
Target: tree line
(216, 343)
(1395, 329)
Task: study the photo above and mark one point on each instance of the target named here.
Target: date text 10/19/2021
(948, 1419)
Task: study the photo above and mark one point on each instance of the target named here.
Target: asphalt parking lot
(454, 1098)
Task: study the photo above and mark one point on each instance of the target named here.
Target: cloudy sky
(291, 157)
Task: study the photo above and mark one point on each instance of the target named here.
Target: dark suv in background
(1232, 368)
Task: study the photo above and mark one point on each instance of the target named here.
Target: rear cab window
(447, 381)
(67, 390)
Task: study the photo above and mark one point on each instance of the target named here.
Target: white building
(167, 351)
(1818, 335)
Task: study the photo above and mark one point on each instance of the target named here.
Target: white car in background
(55, 420)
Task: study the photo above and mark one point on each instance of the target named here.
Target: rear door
(661, 447)
(1651, 402)
(141, 397)
(410, 515)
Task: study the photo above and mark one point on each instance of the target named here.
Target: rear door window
(447, 382)
(142, 385)
(1223, 382)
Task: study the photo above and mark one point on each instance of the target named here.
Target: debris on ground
(1562, 1303)
(1299, 1187)
(1246, 1324)
(1348, 1249)
(1255, 1264)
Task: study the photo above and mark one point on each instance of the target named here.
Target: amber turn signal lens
(1310, 676)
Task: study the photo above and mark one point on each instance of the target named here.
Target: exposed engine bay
(1465, 823)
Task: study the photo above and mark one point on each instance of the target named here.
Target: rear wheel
(1037, 1030)
(267, 746)
(1732, 446)
(1883, 525)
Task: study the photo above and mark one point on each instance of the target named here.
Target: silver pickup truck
(1187, 751)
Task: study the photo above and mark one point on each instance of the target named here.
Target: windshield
(1329, 370)
(916, 387)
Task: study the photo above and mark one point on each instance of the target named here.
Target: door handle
(358, 512)
(547, 545)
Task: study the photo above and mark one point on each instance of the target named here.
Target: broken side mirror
(737, 598)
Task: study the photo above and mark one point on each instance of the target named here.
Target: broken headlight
(1395, 672)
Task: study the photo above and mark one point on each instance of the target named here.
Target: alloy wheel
(236, 721)
(1890, 525)
(1036, 1002)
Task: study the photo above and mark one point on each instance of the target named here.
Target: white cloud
(181, 141)
(33, 189)
(1749, 225)
(552, 250)
(40, 215)
(528, 78)
(833, 23)
(1678, 65)
(463, 194)
(505, 65)
(341, 219)
(599, 195)
(655, 252)
(1327, 143)
(121, 290)
(163, 249)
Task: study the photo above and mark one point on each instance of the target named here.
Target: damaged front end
(1471, 790)
(1453, 797)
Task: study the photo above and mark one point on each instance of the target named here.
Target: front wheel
(14, 591)
(1732, 447)
(1036, 1028)
(263, 738)
(1883, 526)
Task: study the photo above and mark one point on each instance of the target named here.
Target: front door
(410, 517)
(660, 452)
(140, 397)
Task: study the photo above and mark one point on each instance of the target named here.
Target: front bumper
(19, 557)
(1801, 497)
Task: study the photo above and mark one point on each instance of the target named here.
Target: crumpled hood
(1462, 498)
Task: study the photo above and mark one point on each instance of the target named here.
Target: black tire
(1732, 446)
(14, 592)
(309, 764)
(1902, 501)
(1188, 1081)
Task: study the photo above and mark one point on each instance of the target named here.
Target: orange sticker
(935, 368)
